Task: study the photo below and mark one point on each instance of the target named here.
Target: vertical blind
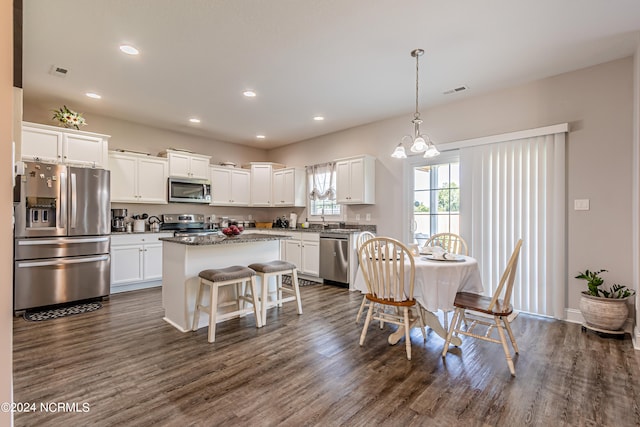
(516, 189)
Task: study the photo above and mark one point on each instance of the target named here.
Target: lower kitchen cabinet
(304, 251)
(136, 261)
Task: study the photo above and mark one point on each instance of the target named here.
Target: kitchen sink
(341, 230)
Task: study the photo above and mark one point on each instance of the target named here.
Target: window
(436, 199)
(322, 190)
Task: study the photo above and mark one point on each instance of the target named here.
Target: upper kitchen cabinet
(261, 184)
(289, 187)
(138, 178)
(230, 186)
(187, 165)
(58, 145)
(356, 180)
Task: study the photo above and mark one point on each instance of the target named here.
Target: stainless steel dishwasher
(334, 257)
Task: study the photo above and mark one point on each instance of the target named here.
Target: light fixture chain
(417, 115)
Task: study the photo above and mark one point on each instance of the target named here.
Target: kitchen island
(184, 257)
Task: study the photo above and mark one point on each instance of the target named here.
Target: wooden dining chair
(450, 242)
(363, 237)
(383, 265)
(454, 244)
(499, 307)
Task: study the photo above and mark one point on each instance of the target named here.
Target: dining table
(435, 286)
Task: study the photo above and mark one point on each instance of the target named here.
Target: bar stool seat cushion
(272, 267)
(225, 274)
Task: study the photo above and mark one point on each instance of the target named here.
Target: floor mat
(286, 279)
(54, 313)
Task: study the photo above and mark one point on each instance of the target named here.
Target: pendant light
(419, 141)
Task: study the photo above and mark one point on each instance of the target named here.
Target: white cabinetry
(303, 250)
(56, 145)
(187, 165)
(230, 186)
(355, 180)
(136, 261)
(261, 184)
(136, 178)
(289, 187)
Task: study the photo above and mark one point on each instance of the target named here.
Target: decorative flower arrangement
(69, 118)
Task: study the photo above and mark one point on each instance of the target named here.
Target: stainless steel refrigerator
(62, 235)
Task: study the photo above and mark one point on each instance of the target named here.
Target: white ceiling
(348, 60)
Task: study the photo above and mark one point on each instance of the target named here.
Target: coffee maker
(118, 220)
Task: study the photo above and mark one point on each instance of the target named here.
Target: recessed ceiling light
(249, 93)
(194, 120)
(318, 118)
(93, 95)
(129, 50)
(260, 136)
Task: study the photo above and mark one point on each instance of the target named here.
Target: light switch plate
(368, 217)
(357, 217)
(581, 205)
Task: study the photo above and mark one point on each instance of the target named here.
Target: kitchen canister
(138, 225)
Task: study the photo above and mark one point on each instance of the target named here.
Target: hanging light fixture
(419, 141)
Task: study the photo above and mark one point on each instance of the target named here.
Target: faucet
(324, 224)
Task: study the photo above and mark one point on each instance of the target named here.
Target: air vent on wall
(58, 71)
(456, 89)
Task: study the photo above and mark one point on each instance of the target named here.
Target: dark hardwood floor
(132, 368)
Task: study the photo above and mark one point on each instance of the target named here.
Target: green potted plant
(604, 310)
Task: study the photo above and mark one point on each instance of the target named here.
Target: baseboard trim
(116, 289)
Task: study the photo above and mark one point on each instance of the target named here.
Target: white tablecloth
(437, 282)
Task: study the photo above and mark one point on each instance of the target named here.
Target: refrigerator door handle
(74, 204)
(39, 242)
(62, 206)
(61, 261)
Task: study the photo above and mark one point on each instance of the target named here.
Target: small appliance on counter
(118, 223)
(293, 219)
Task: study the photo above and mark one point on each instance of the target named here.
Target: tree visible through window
(436, 205)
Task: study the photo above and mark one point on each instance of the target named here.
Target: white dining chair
(363, 237)
(383, 262)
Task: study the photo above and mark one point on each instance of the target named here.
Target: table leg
(431, 321)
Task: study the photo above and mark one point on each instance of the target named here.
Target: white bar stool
(265, 270)
(215, 279)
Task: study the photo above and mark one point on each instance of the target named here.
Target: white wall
(598, 104)
(6, 211)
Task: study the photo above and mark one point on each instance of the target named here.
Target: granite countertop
(216, 239)
(125, 233)
(320, 229)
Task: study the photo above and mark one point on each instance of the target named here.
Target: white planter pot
(608, 314)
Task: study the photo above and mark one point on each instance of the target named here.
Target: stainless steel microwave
(189, 190)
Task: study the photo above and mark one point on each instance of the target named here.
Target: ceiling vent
(456, 89)
(58, 71)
